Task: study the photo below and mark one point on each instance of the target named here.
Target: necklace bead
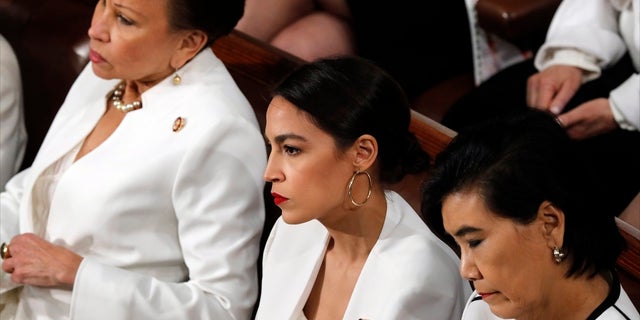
(116, 100)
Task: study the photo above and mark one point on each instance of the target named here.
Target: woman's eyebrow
(283, 137)
(464, 230)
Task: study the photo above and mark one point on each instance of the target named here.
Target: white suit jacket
(409, 274)
(168, 222)
(604, 30)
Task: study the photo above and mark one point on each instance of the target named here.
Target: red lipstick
(278, 199)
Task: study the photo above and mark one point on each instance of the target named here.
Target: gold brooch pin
(178, 124)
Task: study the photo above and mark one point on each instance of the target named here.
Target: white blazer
(168, 222)
(409, 274)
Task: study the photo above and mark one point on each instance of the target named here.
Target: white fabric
(476, 309)
(168, 222)
(602, 31)
(13, 136)
(409, 274)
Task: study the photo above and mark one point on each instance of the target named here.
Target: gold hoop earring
(350, 189)
(177, 79)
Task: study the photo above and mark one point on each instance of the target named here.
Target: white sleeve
(625, 103)
(587, 26)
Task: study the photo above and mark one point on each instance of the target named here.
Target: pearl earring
(558, 255)
(176, 78)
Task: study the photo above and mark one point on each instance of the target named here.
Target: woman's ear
(553, 224)
(366, 151)
(192, 41)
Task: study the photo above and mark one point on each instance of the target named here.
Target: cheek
(514, 270)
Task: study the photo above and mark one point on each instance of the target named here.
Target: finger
(545, 94)
(567, 90)
(532, 91)
(8, 265)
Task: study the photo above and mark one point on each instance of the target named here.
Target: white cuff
(571, 57)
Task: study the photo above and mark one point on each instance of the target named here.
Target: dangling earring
(176, 78)
(350, 189)
(558, 255)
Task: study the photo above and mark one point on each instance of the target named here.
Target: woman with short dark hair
(528, 221)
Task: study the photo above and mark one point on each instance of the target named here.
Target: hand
(37, 262)
(589, 119)
(551, 88)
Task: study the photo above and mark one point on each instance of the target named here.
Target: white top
(409, 274)
(13, 135)
(593, 35)
(617, 306)
(168, 222)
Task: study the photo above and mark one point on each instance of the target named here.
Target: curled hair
(347, 97)
(215, 18)
(515, 163)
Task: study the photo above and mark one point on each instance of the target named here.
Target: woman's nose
(468, 269)
(271, 172)
(99, 30)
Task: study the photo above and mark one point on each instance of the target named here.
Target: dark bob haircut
(515, 163)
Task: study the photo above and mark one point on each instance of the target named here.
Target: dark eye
(123, 20)
(292, 151)
(474, 243)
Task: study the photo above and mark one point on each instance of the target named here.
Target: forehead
(152, 9)
(283, 117)
(468, 208)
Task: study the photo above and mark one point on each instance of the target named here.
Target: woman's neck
(574, 298)
(357, 231)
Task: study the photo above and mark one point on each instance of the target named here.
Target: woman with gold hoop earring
(347, 247)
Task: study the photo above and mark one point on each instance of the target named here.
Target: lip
(278, 199)
(95, 57)
(486, 295)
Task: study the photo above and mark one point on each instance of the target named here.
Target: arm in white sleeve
(587, 26)
(625, 103)
(220, 210)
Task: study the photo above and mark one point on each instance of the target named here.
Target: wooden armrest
(629, 260)
(522, 22)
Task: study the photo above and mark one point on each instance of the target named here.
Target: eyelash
(124, 20)
(474, 243)
(292, 151)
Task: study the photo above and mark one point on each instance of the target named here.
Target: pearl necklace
(116, 98)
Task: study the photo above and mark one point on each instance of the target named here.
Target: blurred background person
(586, 73)
(409, 39)
(13, 135)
